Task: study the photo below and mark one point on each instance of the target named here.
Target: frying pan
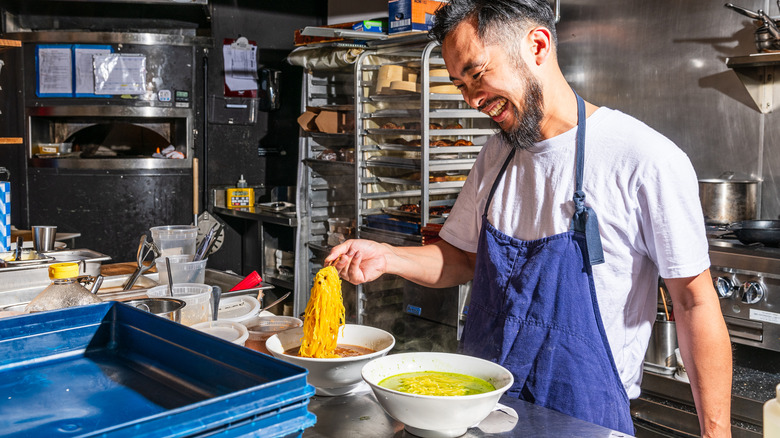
(766, 232)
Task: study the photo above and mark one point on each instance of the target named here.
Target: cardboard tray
(112, 370)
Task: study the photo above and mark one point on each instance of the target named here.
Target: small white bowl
(228, 330)
(437, 416)
(335, 376)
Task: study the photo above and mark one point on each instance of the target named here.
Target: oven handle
(740, 328)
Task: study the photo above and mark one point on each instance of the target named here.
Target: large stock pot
(726, 200)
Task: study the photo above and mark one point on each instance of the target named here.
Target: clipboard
(247, 50)
(54, 70)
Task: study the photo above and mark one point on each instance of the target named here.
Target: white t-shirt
(645, 193)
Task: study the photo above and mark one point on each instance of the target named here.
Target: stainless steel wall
(664, 62)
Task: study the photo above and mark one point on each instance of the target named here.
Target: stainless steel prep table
(359, 415)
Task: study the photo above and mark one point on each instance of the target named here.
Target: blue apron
(534, 311)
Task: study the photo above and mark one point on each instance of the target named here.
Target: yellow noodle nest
(323, 316)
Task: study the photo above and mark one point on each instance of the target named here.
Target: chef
(566, 220)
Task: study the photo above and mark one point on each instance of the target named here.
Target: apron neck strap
(585, 219)
(581, 117)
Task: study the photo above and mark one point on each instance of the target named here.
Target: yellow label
(241, 197)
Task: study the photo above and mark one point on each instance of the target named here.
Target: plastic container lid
(227, 330)
(238, 309)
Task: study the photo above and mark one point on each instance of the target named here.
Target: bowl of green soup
(436, 394)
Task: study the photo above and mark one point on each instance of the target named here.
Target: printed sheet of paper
(85, 68)
(118, 73)
(240, 67)
(55, 70)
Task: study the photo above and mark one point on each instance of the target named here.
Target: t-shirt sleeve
(672, 221)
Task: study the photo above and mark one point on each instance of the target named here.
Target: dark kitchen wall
(265, 152)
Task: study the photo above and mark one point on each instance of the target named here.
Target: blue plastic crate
(112, 370)
(287, 422)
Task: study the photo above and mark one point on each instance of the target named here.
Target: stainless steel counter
(359, 415)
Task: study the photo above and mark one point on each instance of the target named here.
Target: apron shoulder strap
(498, 178)
(585, 219)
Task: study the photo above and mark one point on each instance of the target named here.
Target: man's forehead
(462, 49)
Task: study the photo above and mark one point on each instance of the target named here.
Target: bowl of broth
(356, 344)
(437, 394)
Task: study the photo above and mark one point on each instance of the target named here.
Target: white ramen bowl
(335, 376)
(437, 416)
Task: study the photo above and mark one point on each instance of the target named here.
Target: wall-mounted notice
(240, 62)
(83, 62)
(118, 73)
(54, 68)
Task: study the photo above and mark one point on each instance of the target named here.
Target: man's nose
(474, 96)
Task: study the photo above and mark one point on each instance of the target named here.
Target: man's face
(496, 84)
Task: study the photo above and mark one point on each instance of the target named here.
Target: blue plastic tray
(386, 222)
(112, 370)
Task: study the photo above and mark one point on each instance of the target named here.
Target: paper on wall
(85, 70)
(240, 66)
(119, 73)
(55, 71)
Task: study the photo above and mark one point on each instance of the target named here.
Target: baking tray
(112, 370)
(434, 218)
(330, 168)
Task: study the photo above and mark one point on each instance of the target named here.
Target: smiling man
(566, 220)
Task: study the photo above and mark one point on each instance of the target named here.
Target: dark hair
(496, 19)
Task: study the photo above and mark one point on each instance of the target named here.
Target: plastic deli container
(197, 297)
(175, 239)
(227, 330)
(183, 269)
(238, 309)
(263, 327)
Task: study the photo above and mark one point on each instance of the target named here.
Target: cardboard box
(411, 15)
(376, 25)
(328, 121)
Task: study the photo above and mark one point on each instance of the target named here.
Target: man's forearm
(437, 265)
(706, 350)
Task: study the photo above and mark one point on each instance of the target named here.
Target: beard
(527, 129)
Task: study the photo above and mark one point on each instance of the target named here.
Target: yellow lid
(63, 270)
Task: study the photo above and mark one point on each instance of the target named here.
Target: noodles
(323, 316)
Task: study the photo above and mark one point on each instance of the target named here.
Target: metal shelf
(757, 73)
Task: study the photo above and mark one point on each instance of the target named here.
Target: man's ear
(540, 44)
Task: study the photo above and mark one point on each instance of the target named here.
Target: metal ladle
(275, 302)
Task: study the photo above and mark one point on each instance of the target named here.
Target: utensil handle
(743, 11)
(133, 278)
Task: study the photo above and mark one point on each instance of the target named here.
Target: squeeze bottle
(772, 416)
(241, 195)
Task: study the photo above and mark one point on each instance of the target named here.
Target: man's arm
(437, 265)
(706, 350)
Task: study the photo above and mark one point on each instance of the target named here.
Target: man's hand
(359, 261)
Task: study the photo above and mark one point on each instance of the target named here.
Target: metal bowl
(169, 308)
(29, 257)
